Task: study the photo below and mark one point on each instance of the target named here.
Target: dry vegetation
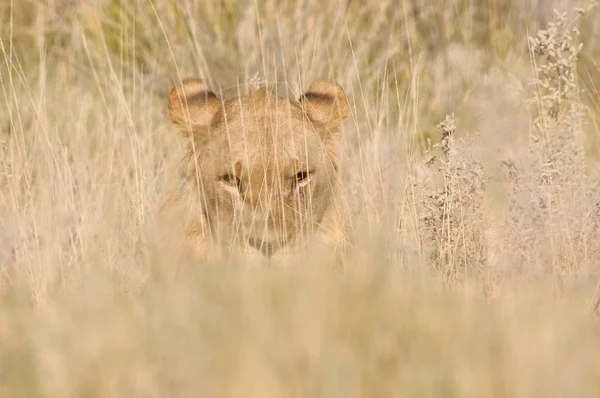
(478, 273)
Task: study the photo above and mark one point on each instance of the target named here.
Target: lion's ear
(325, 104)
(192, 104)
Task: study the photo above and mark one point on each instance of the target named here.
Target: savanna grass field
(470, 176)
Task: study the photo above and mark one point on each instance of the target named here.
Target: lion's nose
(267, 208)
(265, 217)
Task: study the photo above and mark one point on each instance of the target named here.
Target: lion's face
(263, 168)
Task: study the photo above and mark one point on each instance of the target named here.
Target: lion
(261, 173)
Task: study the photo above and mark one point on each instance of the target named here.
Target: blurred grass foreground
(470, 175)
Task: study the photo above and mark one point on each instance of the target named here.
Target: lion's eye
(301, 178)
(231, 180)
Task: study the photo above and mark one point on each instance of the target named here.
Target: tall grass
(477, 270)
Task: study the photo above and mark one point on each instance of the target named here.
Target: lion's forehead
(269, 142)
(277, 159)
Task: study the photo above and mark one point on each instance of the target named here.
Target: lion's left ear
(326, 105)
(192, 105)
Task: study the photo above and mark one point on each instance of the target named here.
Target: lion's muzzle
(266, 248)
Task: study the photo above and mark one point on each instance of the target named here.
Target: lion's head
(262, 170)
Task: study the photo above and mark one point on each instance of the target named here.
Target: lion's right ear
(192, 104)
(326, 105)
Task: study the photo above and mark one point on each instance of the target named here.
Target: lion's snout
(267, 248)
(268, 224)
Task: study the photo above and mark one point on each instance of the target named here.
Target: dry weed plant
(453, 221)
(90, 305)
(550, 209)
(549, 227)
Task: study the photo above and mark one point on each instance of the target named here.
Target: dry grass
(477, 275)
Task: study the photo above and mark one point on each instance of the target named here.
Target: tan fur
(260, 173)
